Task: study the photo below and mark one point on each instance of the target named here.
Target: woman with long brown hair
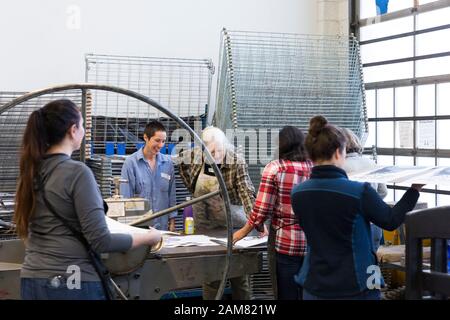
(56, 195)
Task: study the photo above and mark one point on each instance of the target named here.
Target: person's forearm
(242, 232)
(246, 229)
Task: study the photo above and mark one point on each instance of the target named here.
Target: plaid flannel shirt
(274, 198)
(234, 171)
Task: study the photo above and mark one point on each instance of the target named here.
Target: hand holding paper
(418, 187)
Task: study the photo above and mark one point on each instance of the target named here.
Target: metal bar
(407, 82)
(353, 9)
(435, 135)
(406, 34)
(415, 58)
(83, 114)
(413, 263)
(437, 281)
(405, 13)
(414, 89)
(158, 214)
(394, 127)
(439, 255)
(441, 153)
(396, 187)
(412, 118)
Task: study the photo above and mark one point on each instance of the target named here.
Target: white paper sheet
(118, 227)
(188, 241)
(405, 174)
(437, 175)
(390, 174)
(246, 242)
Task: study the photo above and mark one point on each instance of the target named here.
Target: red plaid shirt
(274, 198)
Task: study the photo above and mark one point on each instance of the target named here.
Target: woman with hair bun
(335, 214)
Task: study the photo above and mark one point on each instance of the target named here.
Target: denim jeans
(366, 295)
(42, 289)
(287, 267)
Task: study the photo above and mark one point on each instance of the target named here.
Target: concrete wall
(333, 17)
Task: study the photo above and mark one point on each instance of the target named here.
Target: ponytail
(45, 127)
(32, 152)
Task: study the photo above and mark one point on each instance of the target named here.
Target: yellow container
(189, 225)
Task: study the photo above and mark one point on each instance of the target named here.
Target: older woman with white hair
(199, 178)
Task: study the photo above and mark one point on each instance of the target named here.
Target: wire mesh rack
(270, 80)
(12, 126)
(6, 216)
(182, 85)
(260, 283)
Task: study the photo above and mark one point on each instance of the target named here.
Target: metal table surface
(179, 268)
(153, 275)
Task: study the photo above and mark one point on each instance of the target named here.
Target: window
(369, 8)
(406, 68)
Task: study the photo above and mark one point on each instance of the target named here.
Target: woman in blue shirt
(335, 214)
(151, 175)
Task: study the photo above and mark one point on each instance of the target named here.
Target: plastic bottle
(189, 225)
(188, 217)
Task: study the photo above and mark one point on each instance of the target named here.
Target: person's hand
(158, 246)
(238, 235)
(242, 232)
(150, 238)
(418, 187)
(263, 233)
(172, 225)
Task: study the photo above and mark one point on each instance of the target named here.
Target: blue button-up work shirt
(157, 186)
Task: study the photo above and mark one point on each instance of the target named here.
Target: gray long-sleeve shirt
(51, 248)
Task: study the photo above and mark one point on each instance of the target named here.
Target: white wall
(42, 46)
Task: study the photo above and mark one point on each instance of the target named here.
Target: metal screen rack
(6, 215)
(289, 78)
(101, 166)
(183, 85)
(260, 283)
(12, 126)
(270, 80)
(106, 168)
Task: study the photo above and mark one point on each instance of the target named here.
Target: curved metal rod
(153, 103)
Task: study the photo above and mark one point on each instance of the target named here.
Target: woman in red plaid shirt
(274, 199)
